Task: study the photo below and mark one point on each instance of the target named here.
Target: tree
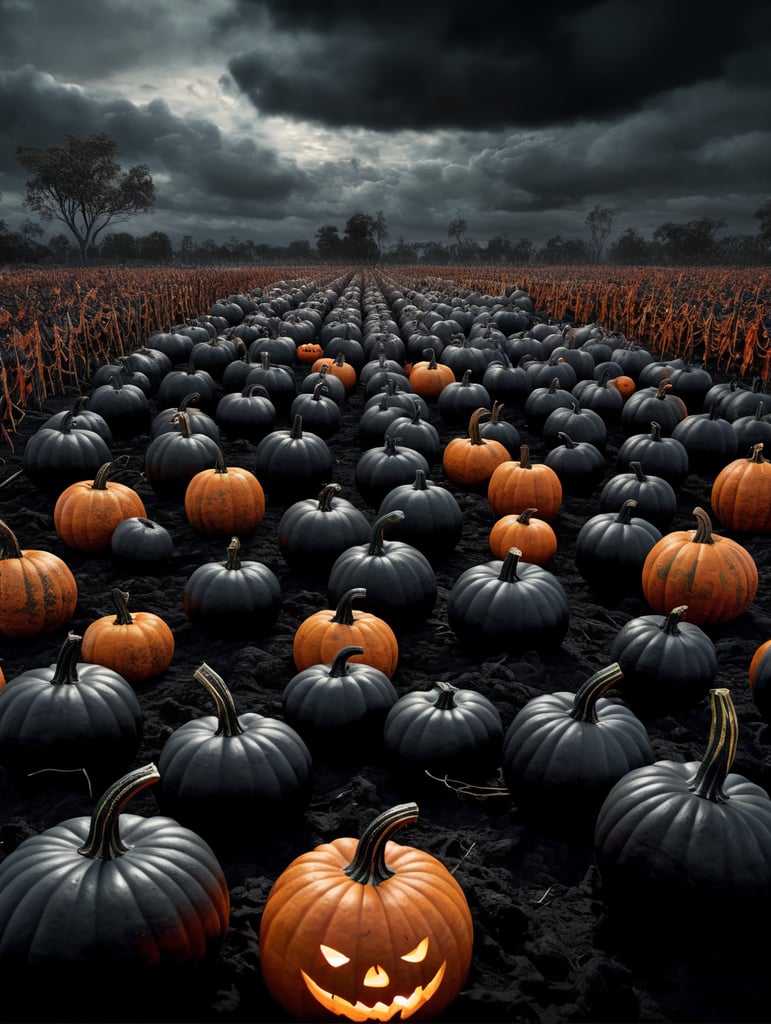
(119, 247)
(559, 250)
(599, 220)
(359, 238)
(328, 242)
(763, 214)
(689, 243)
(456, 229)
(631, 249)
(81, 185)
(379, 228)
(155, 248)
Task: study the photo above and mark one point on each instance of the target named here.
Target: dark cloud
(482, 66)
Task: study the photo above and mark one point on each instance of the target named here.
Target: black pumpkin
(293, 463)
(146, 905)
(710, 440)
(433, 519)
(658, 455)
(581, 424)
(198, 421)
(413, 431)
(339, 709)
(611, 548)
(508, 605)
(173, 458)
(234, 597)
(319, 411)
(249, 414)
(564, 751)
(141, 543)
(313, 532)
(56, 456)
(68, 717)
(668, 664)
(688, 841)
(446, 732)
(655, 496)
(580, 465)
(125, 406)
(542, 401)
(649, 404)
(379, 470)
(216, 768)
(184, 381)
(277, 379)
(458, 399)
(400, 582)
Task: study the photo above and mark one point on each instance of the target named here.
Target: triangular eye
(333, 957)
(418, 953)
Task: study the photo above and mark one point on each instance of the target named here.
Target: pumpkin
(457, 401)
(624, 384)
(145, 901)
(688, 841)
(182, 382)
(81, 418)
(580, 465)
(312, 532)
(542, 401)
(579, 422)
(309, 352)
(658, 455)
(379, 470)
(611, 548)
(656, 498)
(564, 751)
(69, 716)
(428, 378)
(56, 456)
(38, 593)
(320, 412)
(495, 428)
(709, 440)
(137, 645)
(172, 459)
(667, 663)
(534, 537)
(433, 520)
(224, 500)
(247, 414)
(759, 675)
(87, 512)
(519, 484)
(216, 766)
(319, 636)
(716, 577)
(649, 404)
(411, 959)
(470, 461)
(339, 708)
(233, 597)
(741, 494)
(399, 580)
(126, 407)
(141, 543)
(413, 431)
(507, 605)
(198, 421)
(292, 463)
(339, 367)
(446, 732)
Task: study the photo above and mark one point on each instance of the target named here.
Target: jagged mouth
(359, 1011)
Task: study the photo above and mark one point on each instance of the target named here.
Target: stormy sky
(266, 119)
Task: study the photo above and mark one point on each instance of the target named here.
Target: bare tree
(457, 229)
(599, 220)
(81, 185)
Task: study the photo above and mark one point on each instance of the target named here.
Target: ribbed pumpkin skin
(38, 592)
(421, 895)
(741, 494)
(517, 485)
(136, 645)
(225, 500)
(533, 536)
(87, 512)
(321, 635)
(716, 578)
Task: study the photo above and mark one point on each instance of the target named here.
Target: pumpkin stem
(182, 420)
(66, 668)
(445, 700)
(339, 666)
(297, 428)
(508, 573)
(526, 515)
(639, 474)
(9, 544)
(123, 615)
(721, 748)
(524, 457)
(626, 510)
(99, 483)
(672, 621)
(326, 495)
(376, 537)
(227, 713)
(477, 416)
(419, 483)
(703, 532)
(104, 840)
(368, 865)
(584, 705)
(344, 610)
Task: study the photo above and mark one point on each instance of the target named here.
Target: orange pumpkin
(428, 378)
(366, 930)
(87, 512)
(741, 493)
(339, 367)
(470, 461)
(320, 636)
(517, 485)
(624, 384)
(309, 352)
(224, 500)
(38, 593)
(534, 537)
(714, 576)
(138, 646)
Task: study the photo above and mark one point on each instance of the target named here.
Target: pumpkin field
(385, 644)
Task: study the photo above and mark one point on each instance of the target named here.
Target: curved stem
(703, 532)
(227, 713)
(446, 698)
(344, 610)
(232, 561)
(476, 418)
(368, 865)
(376, 537)
(123, 616)
(9, 544)
(104, 840)
(66, 668)
(326, 495)
(339, 666)
(671, 625)
(721, 748)
(584, 705)
(508, 573)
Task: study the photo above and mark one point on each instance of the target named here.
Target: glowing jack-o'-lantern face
(366, 930)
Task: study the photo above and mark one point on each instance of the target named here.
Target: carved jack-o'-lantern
(366, 930)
